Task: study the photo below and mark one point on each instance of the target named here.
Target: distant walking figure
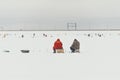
(75, 46)
(58, 46)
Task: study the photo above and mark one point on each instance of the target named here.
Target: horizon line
(69, 30)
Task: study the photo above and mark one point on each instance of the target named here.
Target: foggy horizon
(55, 14)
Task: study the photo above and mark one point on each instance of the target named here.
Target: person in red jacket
(57, 45)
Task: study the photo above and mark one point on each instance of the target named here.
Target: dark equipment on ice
(25, 51)
(22, 36)
(6, 51)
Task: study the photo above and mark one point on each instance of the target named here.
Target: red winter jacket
(57, 44)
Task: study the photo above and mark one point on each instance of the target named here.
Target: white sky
(58, 12)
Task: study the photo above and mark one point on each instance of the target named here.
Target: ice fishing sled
(25, 51)
(59, 50)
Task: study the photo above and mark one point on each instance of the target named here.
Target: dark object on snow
(6, 51)
(88, 35)
(25, 51)
(99, 35)
(33, 35)
(45, 35)
(22, 36)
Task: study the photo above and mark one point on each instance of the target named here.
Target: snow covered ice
(98, 58)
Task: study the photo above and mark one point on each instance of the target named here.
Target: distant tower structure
(72, 26)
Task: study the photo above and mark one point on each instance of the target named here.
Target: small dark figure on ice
(22, 36)
(75, 46)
